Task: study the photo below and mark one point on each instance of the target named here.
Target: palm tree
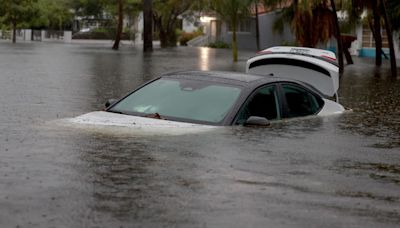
(312, 22)
(232, 12)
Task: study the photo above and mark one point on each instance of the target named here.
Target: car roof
(234, 78)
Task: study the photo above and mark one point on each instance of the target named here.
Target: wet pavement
(338, 171)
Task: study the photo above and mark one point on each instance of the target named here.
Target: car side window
(299, 101)
(262, 103)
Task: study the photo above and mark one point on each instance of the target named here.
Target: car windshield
(190, 100)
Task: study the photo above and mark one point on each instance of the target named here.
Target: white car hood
(137, 124)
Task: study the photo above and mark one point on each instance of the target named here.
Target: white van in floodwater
(315, 67)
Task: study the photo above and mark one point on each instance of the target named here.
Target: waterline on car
(108, 122)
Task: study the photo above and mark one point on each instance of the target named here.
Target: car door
(263, 102)
(298, 101)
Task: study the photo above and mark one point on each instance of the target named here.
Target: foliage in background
(185, 37)
(219, 44)
(132, 8)
(311, 21)
(167, 16)
(88, 8)
(394, 13)
(15, 13)
(101, 34)
(52, 14)
(232, 12)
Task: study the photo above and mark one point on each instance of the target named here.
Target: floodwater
(338, 171)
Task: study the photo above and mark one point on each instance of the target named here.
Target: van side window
(300, 102)
(262, 103)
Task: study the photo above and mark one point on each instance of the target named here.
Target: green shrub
(100, 30)
(219, 44)
(185, 37)
(103, 33)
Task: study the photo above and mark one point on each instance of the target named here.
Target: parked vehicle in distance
(214, 98)
(83, 30)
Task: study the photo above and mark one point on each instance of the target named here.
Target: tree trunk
(378, 36)
(338, 38)
(346, 42)
(120, 24)
(234, 41)
(167, 38)
(14, 38)
(148, 25)
(163, 37)
(389, 33)
(257, 27)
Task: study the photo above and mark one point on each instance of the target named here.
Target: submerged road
(339, 171)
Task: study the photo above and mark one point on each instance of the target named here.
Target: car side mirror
(257, 121)
(110, 102)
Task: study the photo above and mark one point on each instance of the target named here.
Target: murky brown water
(339, 171)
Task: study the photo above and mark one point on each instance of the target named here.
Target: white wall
(140, 25)
(188, 26)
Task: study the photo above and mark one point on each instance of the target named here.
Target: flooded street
(338, 171)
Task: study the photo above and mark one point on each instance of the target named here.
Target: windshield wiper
(155, 115)
(118, 112)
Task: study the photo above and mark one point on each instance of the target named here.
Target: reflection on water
(336, 171)
(204, 60)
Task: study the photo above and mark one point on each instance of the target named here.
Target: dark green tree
(52, 14)
(88, 8)
(16, 12)
(166, 15)
(121, 9)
